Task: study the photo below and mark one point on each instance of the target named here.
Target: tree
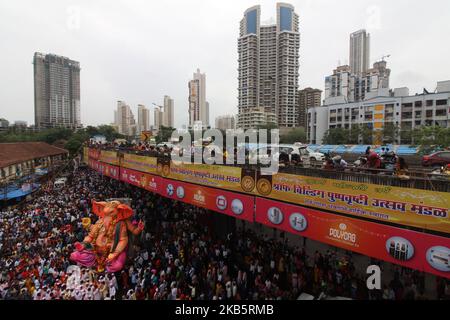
(366, 135)
(354, 134)
(164, 134)
(293, 136)
(336, 136)
(390, 132)
(268, 126)
(432, 136)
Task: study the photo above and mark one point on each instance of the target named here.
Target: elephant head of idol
(114, 209)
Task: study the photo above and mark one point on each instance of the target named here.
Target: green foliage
(437, 137)
(164, 134)
(295, 135)
(268, 126)
(390, 133)
(337, 136)
(74, 139)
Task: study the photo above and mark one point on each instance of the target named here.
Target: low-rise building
(398, 108)
(24, 158)
(252, 118)
(226, 122)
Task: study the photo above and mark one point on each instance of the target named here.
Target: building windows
(285, 19)
(441, 102)
(252, 21)
(418, 104)
(430, 103)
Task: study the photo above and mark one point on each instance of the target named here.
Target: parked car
(300, 151)
(437, 159)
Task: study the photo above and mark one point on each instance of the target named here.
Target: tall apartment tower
(347, 85)
(359, 52)
(198, 106)
(158, 118)
(143, 119)
(126, 122)
(56, 91)
(168, 115)
(307, 98)
(269, 64)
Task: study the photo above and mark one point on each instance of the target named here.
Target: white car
(307, 155)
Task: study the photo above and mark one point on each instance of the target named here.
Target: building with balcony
(253, 118)
(397, 108)
(268, 64)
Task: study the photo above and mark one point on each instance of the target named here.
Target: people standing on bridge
(401, 168)
(339, 164)
(374, 161)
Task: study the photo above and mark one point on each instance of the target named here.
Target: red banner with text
(411, 249)
(237, 205)
(142, 180)
(111, 171)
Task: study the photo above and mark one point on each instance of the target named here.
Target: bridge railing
(416, 179)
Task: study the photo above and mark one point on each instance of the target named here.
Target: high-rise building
(347, 85)
(269, 64)
(168, 115)
(226, 122)
(126, 123)
(198, 106)
(207, 114)
(307, 98)
(359, 51)
(143, 119)
(158, 118)
(56, 91)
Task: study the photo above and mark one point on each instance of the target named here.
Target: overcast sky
(140, 50)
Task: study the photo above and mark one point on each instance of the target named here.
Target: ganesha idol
(105, 247)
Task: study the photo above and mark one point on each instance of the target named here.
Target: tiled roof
(12, 153)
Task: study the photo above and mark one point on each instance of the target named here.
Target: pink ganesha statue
(106, 244)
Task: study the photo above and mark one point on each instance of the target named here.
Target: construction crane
(384, 57)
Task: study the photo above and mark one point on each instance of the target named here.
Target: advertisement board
(233, 204)
(85, 155)
(111, 171)
(140, 163)
(109, 157)
(423, 209)
(415, 250)
(142, 180)
(94, 154)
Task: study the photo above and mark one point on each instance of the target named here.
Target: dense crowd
(178, 256)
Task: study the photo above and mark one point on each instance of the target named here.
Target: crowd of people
(179, 256)
(385, 162)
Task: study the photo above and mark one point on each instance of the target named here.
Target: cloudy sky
(140, 50)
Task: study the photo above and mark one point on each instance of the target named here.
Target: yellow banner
(85, 155)
(412, 207)
(109, 157)
(140, 163)
(405, 206)
(224, 177)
